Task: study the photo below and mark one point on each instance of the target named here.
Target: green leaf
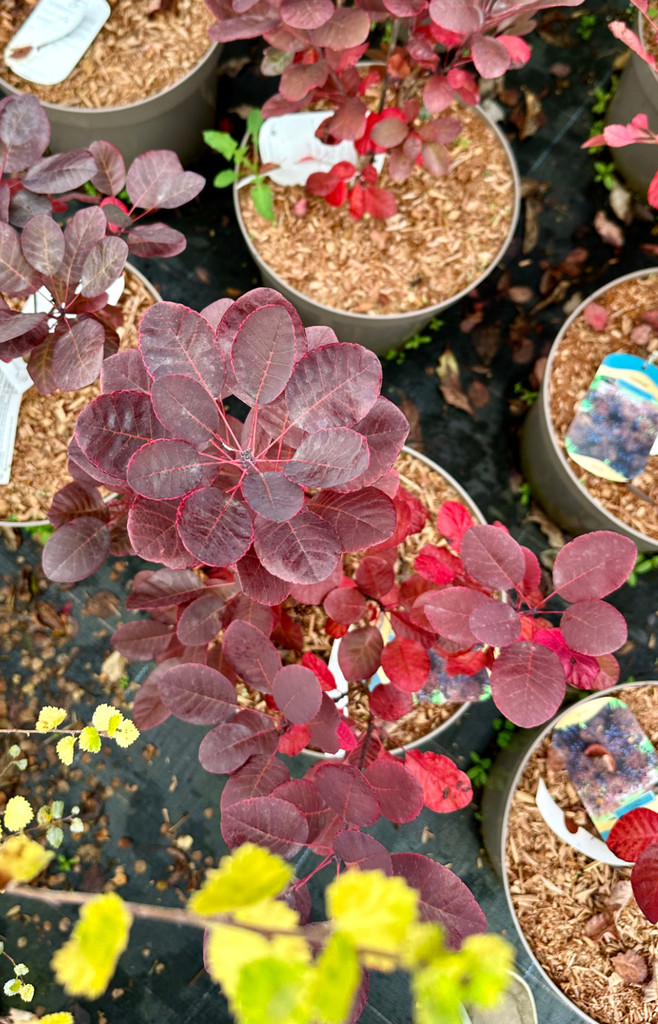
(261, 193)
(221, 142)
(254, 122)
(224, 178)
(273, 991)
(55, 836)
(437, 994)
(335, 981)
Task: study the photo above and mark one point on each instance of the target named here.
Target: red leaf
(294, 740)
(379, 202)
(495, 623)
(644, 879)
(267, 821)
(633, 832)
(593, 565)
(319, 667)
(375, 576)
(359, 654)
(528, 683)
(596, 316)
(298, 693)
(492, 557)
(445, 787)
(406, 663)
(437, 564)
(449, 612)
(399, 792)
(348, 793)
(345, 606)
(389, 703)
(593, 627)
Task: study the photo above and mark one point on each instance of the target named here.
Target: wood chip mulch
(135, 55)
(446, 233)
(580, 353)
(557, 893)
(45, 428)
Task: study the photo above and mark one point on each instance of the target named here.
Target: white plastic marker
(582, 840)
(54, 38)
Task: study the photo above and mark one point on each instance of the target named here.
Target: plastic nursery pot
(380, 333)
(466, 500)
(27, 523)
(637, 93)
(174, 118)
(552, 480)
(517, 1006)
(496, 809)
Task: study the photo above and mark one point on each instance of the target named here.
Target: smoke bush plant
(635, 838)
(65, 346)
(432, 48)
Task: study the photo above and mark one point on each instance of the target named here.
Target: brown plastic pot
(552, 480)
(44, 522)
(466, 499)
(171, 119)
(637, 93)
(379, 333)
(496, 808)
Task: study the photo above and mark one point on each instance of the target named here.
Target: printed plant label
(611, 761)
(616, 425)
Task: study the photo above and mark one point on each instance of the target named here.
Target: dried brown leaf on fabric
(528, 116)
(156, 6)
(410, 410)
(538, 370)
(471, 320)
(102, 604)
(557, 295)
(553, 533)
(232, 68)
(114, 667)
(520, 293)
(478, 394)
(447, 371)
(607, 230)
(487, 340)
(560, 70)
(622, 203)
(600, 925)
(510, 97)
(631, 967)
(523, 350)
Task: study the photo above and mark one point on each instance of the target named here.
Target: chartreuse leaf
(477, 973)
(231, 947)
(224, 178)
(274, 991)
(374, 911)
(21, 860)
(487, 959)
(248, 875)
(335, 981)
(85, 964)
(437, 993)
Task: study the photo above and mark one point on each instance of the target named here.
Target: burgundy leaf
(215, 527)
(263, 355)
(406, 663)
(449, 612)
(347, 27)
(103, 265)
(185, 408)
(61, 172)
(83, 231)
(324, 727)
(491, 57)
(155, 241)
(389, 703)
(305, 795)
(17, 276)
(226, 747)
(345, 605)
(315, 593)
(298, 80)
(76, 499)
(329, 457)
(306, 14)
(76, 550)
(244, 27)
(348, 122)
(253, 612)
(305, 549)
(142, 639)
(363, 852)
(42, 242)
(333, 387)
(633, 832)
(197, 694)
(593, 627)
(163, 588)
(528, 683)
(32, 328)
(360, 519)
(82, 469)
(175, 339)
(399, 792)
(644, 879)
(359, 653)
(463, 18)
(272, 495)
(532, 578)
(257, 583)
(444, 898)
(24, 132)
(201, 621)
(77, 354)
(154, 535)
(375, 576)
(389, 133)
(157, 181)
(236, 313)
(113, 427)
(259, 776)
(124, 371)
(592, 566)
(110, 176)
(297, 693)
(148, 709)
(495, 623)
(492, 557)
(348, 793)
(253, 656)
(274, 824)
(165, 469)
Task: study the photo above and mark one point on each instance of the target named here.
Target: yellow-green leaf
(272, 991)
(437, 994)
(249, 875)
(49, 718)
(106, 718)
(335, 981)
(21, 860)
(18, 814)
(85, 964)
(90, 740)
(488, 960)
(57, 1018)
(125, 733)
(375, 911)
(66, 749)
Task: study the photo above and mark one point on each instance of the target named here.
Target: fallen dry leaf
(622, 203)
(102, 604)
(520, 293)
(114, 667)
(478, 394)
(528, 116)
(607, 230)
(552, 532)
(447, 371)
(600, 925)
(631, 967)
(622, 893)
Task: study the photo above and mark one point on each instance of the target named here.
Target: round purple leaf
(492, 557)
(76, 550)
(201, 621)
(592, 566)
(495, 623)
(298, 693)
(272, 495)
(274, 824)
(166, 469)
(185, 408)
(593, 627)
(197, 694)
(348, 793)
(215, 527)
(528, 683)
(305, 549)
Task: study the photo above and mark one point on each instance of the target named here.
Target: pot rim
(30, 524)
(545, 404)
(461, 708)
(545, 731)
(402, 318)
(96, 113)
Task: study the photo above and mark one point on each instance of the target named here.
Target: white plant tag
(290, 142)
(14, 380)
(54, 38)
(582, 840)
